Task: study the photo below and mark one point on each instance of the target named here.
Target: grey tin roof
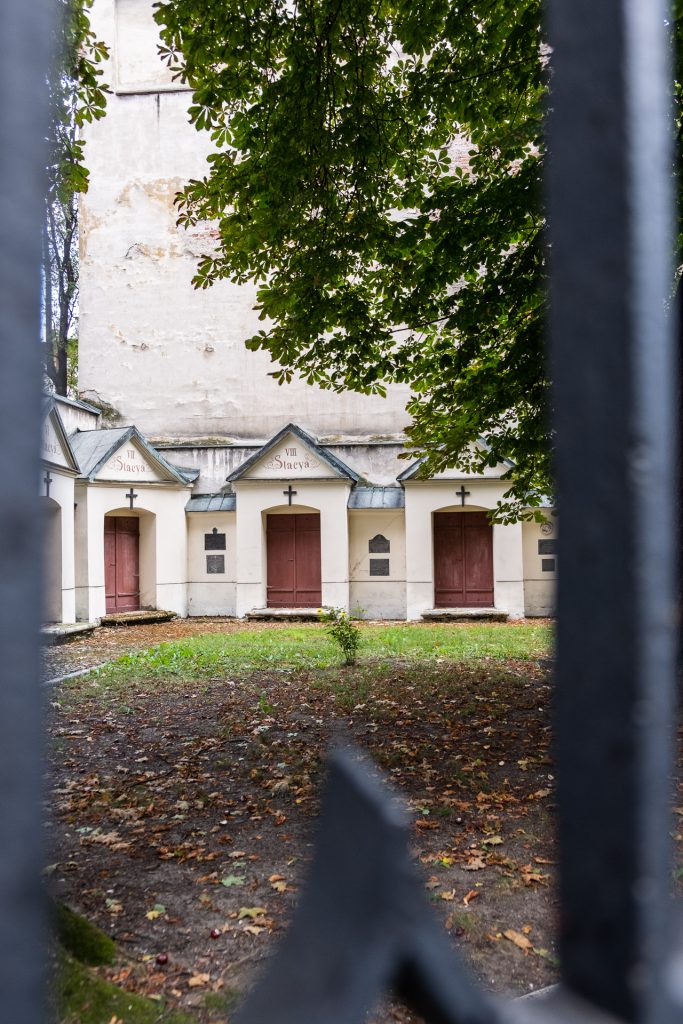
(211, 503)
(339, 467)
(377, 497)
(93, 448)
(188, 473)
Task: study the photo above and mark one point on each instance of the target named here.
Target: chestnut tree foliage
(378, 259)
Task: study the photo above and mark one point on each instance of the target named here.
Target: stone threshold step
(284, 614)
(138, 618)
(465, 615)
(62, 632)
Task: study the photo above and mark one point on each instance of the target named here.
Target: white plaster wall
(375, 463)
(539, 586)
(163, 545)
(75, 417)
(210, 594)
(144, 331)
(61, 495)
(379, 597)
(255, 499)
(425, 498)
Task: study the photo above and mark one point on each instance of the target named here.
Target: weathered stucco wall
(211, 591)
(540, 567)
(371, 596)
(168, 358)
(377, 464)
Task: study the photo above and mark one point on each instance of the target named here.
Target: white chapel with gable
(185, 478)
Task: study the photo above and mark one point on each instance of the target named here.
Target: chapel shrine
(184, 477)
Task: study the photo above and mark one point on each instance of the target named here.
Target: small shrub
(343, 631)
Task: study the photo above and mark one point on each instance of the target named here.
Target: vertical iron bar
(23, 63)
(614, 370)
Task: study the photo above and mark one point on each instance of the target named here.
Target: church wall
(163, 546)
(377, 463)
(425, 498)
(540, 583)
(59, 513)
(371, 596)
(144, 331)
(255, 500)
(76, 415)
(211, 593)
(60, 582)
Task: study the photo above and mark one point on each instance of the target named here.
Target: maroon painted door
(463, 560)
(122, 563)
(293, 553)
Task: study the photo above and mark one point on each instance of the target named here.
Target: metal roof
(339, 467)
(377, 497)
(188, 473)
(211, 503)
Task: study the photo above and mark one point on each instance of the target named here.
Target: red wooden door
(122, 563)
(293, 554)
(463, 560)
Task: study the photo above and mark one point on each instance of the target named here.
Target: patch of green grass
(302, 647)
(81, 938)
(223, 1002)
(83, 998)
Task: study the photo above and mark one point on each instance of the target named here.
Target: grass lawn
(292, 648)
(185, 793)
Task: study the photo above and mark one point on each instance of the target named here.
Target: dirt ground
(183, 815)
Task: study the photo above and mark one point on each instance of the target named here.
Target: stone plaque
(379, 545)
(215, 564)
(547, 547)
(547, 565)
(379, 566)
(214, 541)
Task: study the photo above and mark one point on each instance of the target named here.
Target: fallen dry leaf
(519, 940)
(252, 912)
(471, 895)
(198, 979)
(474, 864)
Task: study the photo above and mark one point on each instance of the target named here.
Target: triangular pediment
(416, 471)
(293, 455)
(122, 455)
(55, 448)
(130, 462)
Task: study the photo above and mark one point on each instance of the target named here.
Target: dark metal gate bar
(614, 368)
(23, 60)
(362, 925)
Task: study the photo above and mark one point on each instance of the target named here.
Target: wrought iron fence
(361, 926)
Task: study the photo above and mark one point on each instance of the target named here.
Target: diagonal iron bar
(363, 925)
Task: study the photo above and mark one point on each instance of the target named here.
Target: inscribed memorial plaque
(379, 545)
(215, 564)
(379, 566)
(214, 541)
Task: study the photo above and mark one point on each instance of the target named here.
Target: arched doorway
(293, 560)
(52, 596)
(463, 560)
(121, 563)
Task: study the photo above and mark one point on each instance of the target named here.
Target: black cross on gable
(131, 495)
(462, 494)
(289, 493)
(47, 480)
